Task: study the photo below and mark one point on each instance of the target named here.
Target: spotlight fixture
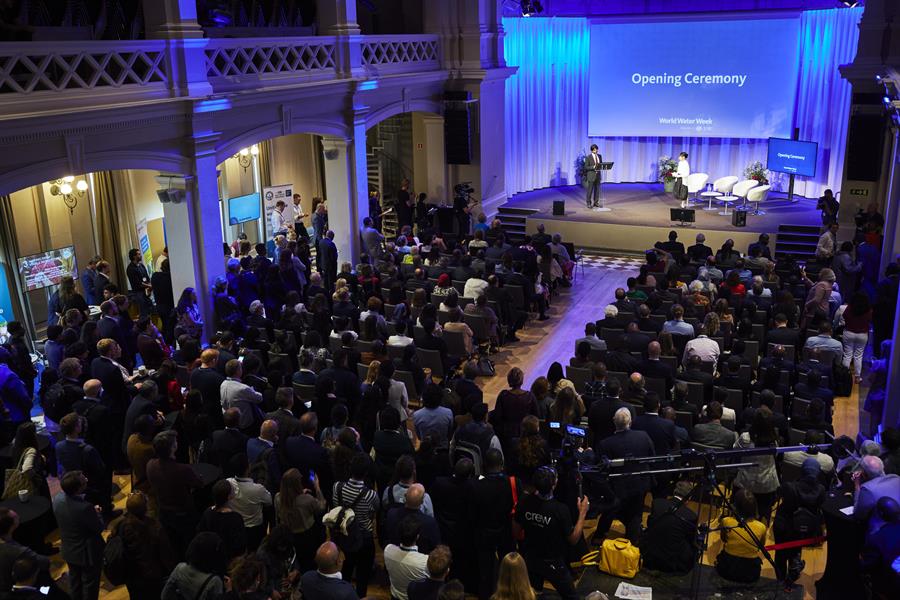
(245, 156)
(849, 3)
(70, 196)
(531, 8)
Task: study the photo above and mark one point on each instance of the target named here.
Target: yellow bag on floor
(617, 557)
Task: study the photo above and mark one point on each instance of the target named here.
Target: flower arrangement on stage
(579, 165)
(665, 171)
(757, 171)
(666, 167)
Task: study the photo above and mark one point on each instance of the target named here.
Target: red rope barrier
(797, 543)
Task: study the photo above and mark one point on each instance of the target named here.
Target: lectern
(604, 166)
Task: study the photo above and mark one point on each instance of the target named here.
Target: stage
(639, 217)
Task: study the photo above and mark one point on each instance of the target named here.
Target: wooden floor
(553, 340)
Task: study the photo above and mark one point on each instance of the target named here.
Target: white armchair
(757, 195)
(725, 184)
(696, 182)
(741, 188)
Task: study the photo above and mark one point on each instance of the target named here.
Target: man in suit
(782, 334)
(262, 450)
(592, 177)
(699, 252)
(327, 254)
(346, 381)
(644, 322)
(636, 341)
(325, 583)
(673, 246)
(305, 454)
(144, 403)
(116, 382)
(101, 280)
(107, 325)
(12, 551)
(602, 410)
(229, 441)
(763, 245)
(89, 281)
(626, 443)
(99, 432)
(627, 308)
(661, 431)
(208, 381)
(712, 433)
(288, 424)
(653, 367)
(80, 528)
(669, 544)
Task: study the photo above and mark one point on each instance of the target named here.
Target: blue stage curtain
(547, 104)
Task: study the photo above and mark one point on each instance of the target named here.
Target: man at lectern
(592, 176)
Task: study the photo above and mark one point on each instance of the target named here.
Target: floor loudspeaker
(559, 207)
(739, 218)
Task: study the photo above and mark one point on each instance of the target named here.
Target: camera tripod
(706, 486)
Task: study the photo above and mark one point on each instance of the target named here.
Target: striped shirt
(345, 492)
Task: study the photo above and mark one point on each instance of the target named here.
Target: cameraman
(548, 530)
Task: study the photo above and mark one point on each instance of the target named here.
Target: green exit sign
(859, 192)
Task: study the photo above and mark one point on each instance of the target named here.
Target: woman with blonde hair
(512, 581)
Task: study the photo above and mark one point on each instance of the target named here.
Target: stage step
(799, 241)
(513, 220)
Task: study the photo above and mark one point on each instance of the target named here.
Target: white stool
(710, 195)
(725, 200)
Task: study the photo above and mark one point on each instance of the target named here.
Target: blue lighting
(212, 105)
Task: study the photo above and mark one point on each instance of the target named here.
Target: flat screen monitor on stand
(793, 157)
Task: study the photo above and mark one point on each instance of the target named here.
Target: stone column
(176, 22)
(194, 231)
(338, 18)
(345, 189)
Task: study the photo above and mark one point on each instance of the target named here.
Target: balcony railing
(66, 76)
(52, 68)
(246, 63)
(400, 53)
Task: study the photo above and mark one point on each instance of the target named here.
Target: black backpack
(806, 523)
(385, 509)
(351, 541)
(53, 402)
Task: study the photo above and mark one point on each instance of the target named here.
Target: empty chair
(407, 379)
(756, 195)
(741, 188)
(696, 182)
(725, 184)
(578, 377)
(431, 359)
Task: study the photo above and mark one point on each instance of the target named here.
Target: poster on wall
(144, 242)
(47, 268)
(271, 195)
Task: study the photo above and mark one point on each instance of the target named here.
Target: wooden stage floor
(643, 210)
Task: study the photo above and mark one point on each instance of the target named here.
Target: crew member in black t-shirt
(548, 534)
